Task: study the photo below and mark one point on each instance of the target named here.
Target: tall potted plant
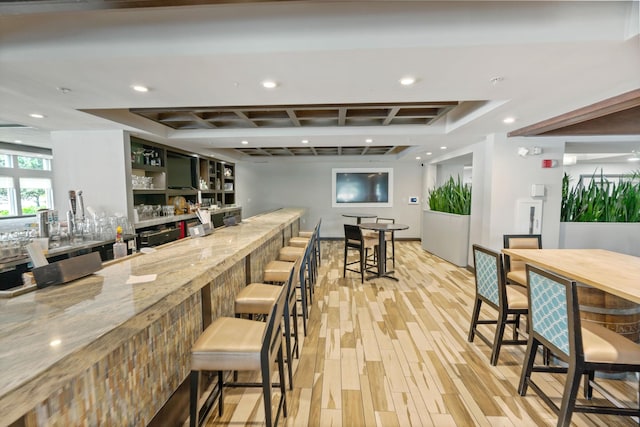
(445, 227)
(604, 214)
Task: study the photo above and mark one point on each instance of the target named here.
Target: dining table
(611, 272)
(382, 228)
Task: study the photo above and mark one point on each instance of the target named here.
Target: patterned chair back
(553, 312)
(489, 274)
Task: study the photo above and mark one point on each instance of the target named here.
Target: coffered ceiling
(337, 65)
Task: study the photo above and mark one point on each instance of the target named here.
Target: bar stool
(585, 347)
(232, 344)
(514, 267)
(258, 298)
(353, 239)
(277, 272)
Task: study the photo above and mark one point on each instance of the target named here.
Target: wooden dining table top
(612, 272)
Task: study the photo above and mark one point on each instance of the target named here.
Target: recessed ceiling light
(634, 158)
(55, 342)
(140, 88)
(418, 157)
(305, 141)
(428, 153)
(269, 84)
(407, 81)
(18, 141)
(495, 80)
(244, 142)
(37, 115)
(508, 120)
(443, 148)
(368, 140)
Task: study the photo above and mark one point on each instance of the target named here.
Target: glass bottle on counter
(119, 247)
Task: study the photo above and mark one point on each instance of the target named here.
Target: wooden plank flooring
(388, 353)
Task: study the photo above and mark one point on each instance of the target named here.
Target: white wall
(307, 183)
(500, 177)
(94, 162)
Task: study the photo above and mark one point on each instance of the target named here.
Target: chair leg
(569, 397)
(221, 389)
(303, 300)
(287, 339)
(266, 390)
(474, 319)
(527, 367)
(193, 400)
(295, 329)
(363, 258)
(588, 389)
(497, 340)
(283, 391)
(393, 250)
(344, 268)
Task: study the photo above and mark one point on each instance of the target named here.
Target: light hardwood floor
(387, 353)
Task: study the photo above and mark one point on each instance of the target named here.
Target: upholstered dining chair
(233, 344)
(513, 266)
(585, 347)
(506, 300)
(353, 239)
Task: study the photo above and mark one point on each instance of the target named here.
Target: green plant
(602, 200)
(453, 197)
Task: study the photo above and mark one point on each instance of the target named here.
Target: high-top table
(612, 272)
(608, 283)
(381, 228)
(359, 216)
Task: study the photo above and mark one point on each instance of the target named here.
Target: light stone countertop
(42, 328)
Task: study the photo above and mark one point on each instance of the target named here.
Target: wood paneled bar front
(112, 348)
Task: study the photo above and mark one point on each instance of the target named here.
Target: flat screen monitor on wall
(362, 187)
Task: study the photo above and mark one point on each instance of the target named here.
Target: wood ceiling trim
(608, 117)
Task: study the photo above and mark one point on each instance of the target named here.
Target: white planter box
(446, 235)
(614, 236)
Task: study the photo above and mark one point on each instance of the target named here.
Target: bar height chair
(258, 298)
(514, 267)
(554, 320)
(506, 300)
(233, 344)
(353, 239)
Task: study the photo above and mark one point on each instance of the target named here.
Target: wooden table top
(612, 272)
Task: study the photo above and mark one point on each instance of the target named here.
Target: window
(25, 180)
(35, 194)
(7, 197)
(37, 163)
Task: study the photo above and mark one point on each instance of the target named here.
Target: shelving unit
(180, 177)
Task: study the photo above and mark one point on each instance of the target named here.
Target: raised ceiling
(285, 116)
(530, 60)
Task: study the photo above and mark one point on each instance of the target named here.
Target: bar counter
(105, 350)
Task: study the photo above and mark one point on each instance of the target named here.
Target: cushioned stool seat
(299, 242)
(290, 253)
(229, 344)
(256, 298)
(277, 271)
